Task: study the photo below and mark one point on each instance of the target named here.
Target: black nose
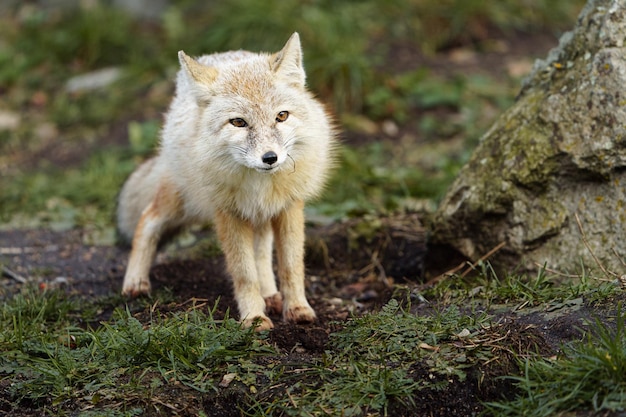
(270, 158)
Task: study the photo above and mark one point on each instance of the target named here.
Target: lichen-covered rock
(558, 153)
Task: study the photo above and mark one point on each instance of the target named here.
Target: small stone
(93, 80)
(9, 120)
(227, 379)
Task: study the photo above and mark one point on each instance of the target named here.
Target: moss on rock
(558, 153)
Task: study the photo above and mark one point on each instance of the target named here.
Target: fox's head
(254, 107)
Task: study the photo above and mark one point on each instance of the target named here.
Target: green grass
(588, 375)
(55, 360)
(58, 355)
(521, 290)
(369, 364)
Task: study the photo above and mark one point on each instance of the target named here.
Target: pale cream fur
(208, 168)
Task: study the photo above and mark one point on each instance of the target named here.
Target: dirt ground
(348, 282)
(347, 274)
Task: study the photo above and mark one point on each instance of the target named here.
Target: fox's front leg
(237, 239)
(289, 241)
(263, 245)
(154, 221)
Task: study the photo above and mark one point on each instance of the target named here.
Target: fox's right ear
(202, 76)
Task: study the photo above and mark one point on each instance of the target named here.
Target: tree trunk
(547, 180)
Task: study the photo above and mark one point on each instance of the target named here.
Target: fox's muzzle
(269, 158)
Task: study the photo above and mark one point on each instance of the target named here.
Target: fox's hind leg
(156, 219)
(289, 239)
(263, 245)
(237, 238)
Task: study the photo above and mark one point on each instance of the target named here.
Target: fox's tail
(138, 191)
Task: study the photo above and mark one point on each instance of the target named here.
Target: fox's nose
(269, 158)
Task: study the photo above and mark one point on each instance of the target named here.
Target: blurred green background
(413, 84)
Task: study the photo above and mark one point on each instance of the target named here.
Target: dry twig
(6, 271)
(469, 268)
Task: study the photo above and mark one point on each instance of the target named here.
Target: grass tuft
(545, 288)
(590, 374)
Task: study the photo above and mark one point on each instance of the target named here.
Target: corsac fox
(244, 145)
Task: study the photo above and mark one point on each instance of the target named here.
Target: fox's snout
(269, 158)
(268, 161)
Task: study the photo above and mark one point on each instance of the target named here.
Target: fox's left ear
(287, 64)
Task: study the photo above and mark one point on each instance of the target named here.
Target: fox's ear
(199, 73)
(201, 76)
(287, 64)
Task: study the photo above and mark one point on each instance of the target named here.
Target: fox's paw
(260, 323)
(136, 289)
(300, 314)
(274, 303)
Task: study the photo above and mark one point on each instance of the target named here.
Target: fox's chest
(259, 198)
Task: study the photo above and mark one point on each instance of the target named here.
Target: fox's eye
(282, 116)
(238, 122)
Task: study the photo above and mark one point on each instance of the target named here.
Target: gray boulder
(548, 178)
